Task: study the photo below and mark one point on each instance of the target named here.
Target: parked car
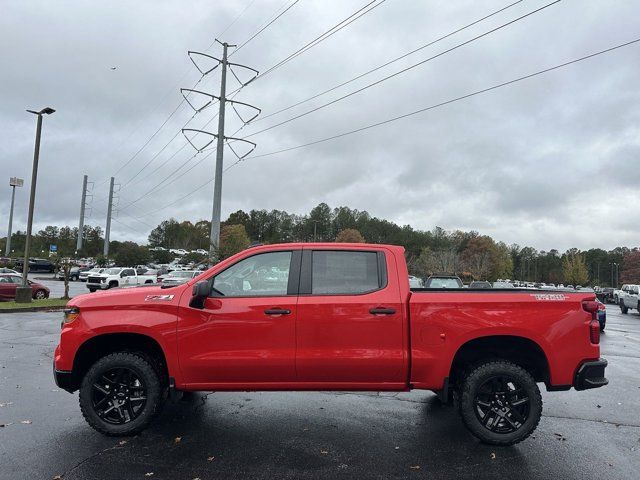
(605, 295)
(415, 282)
(503, 285)
(477, 284)
(178, 277)
(36, 265)
(443, 281)
(340, 318)
(117, 277)
(74, 273)
(630, 298)
(602, 315)
(8, 270)
(85, 274)
(10, 282)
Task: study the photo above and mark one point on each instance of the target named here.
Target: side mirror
(199, 294)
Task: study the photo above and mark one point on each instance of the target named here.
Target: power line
(447, 102)
(333, 30)
(368, 72)
(262, 28)
(415, 112)
(399, 72)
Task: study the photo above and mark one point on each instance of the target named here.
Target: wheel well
(97, 347)
(521, 351)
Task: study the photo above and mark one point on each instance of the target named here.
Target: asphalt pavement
(583, 435)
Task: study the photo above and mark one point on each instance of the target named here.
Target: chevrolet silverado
(327, 316)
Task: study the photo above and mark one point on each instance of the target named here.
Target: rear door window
(345, 272)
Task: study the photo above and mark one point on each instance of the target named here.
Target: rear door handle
(277, 311)
(382, 311)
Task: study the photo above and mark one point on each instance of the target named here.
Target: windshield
(444, 283)
(112, 271)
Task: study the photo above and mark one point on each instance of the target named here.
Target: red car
(327, 317)
(9, 283)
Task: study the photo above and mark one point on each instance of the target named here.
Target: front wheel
(500, 403)
(120, 394)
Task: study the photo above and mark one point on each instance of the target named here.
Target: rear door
(350, 329)
(7, 287)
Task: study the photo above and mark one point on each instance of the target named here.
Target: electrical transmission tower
(83, 209)
(109, 212)
(220, 137)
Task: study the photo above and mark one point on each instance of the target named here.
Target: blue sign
(53, 248)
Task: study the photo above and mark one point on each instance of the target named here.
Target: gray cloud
(549, 162)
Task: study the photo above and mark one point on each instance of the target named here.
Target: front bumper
(65, 380)
(98, 286)
(591, 375)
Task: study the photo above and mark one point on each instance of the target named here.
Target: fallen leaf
(148, 474)
(324, 452)
(122, 442)
(57, 477)
(397, 448)
(210, 458)
(415, 467)
(599, 406)
(26, 422)
(493, 456)
(6, 404)
(177, 439)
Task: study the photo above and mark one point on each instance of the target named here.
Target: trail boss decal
(552, 297)
(158, 298)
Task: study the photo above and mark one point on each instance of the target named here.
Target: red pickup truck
(327, 316)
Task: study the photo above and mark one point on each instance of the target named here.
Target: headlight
(70, 314)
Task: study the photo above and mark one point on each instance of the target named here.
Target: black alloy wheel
(121, 393)
(501, 404)
(119, 396)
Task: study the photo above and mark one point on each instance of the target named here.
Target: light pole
(23, 293)
(13, 183)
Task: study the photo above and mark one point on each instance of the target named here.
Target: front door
(245, 334)
(351, 331)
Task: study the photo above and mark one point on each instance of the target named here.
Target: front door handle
(277, 311)
(382, 311)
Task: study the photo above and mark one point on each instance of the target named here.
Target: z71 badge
(549, 296)
(158, 298)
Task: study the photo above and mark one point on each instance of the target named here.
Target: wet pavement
(57, 286)
(582, 435)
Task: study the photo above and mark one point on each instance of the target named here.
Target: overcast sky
(551, 162)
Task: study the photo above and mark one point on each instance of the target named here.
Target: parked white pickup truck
(117, 277)
(629, 298)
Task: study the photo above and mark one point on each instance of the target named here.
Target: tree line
(468, 254)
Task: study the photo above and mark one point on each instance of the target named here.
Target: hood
(136, 295)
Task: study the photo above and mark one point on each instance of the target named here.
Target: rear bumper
(591, 375)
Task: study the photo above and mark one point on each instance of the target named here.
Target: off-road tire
(478, 376)
(145, 371)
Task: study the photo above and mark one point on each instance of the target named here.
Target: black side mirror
(199, 294)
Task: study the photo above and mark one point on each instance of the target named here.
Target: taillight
(594, 325)
(594, 331)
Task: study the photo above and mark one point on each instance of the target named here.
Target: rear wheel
(40, 294)
(120, 394)
(92, 290)
(500, 403)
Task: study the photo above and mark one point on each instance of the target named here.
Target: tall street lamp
(13, 183)
(23, 293)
